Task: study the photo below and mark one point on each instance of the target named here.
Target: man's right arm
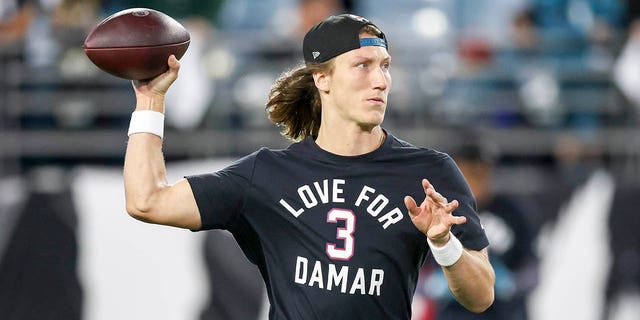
(149, 197)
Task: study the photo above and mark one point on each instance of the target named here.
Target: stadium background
(552, 84)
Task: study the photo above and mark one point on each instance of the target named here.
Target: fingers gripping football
(150, 93)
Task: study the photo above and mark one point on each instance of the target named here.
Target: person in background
(508, 223)
(15, 18)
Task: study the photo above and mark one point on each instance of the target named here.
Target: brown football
(136, 43)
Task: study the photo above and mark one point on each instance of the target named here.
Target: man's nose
(380, 79)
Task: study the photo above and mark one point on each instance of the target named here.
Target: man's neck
(350, 142)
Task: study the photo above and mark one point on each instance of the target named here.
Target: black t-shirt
(330, 234)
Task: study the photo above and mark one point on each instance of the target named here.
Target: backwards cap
(337, 35)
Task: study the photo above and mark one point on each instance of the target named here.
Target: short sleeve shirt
(330, 234)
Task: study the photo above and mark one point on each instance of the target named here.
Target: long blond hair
(294, 101)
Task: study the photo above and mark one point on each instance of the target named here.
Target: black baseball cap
(337, 35)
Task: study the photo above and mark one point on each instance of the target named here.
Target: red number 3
(344, 233)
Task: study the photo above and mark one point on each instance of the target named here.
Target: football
(135, 43)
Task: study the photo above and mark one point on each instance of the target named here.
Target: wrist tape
(147, 121)
(448, 254)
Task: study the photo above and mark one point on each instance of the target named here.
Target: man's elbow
(139, 210)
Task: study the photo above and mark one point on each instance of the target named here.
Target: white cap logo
(315, 54)
(359, 18)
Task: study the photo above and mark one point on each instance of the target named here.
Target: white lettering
(380, 201)
(337, 190)
(391, 217)
(301, 270)
(289, 208)
(377, 276)
(339, 279)
(316, 276)
(331, 191)
(320, 190)
(323, 192)
(307, 196)
(358, 283)
(363, 195)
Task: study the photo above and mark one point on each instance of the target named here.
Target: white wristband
(448, 254)
(147, 121)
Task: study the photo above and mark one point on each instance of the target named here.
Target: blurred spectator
(582, 18)
(576, 159)
(507, 221)
(15, 18)
(311, 12)
(488, 20)
(42, 28)
(525, 35)
(206, 10)
(38, 270)
(75, 14)
(50, 26)
(237, 290)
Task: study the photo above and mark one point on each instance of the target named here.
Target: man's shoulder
(401, 146)
(266, 152)
(267, 155)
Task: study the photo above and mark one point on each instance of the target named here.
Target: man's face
(359, 86)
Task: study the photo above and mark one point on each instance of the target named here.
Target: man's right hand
(150, 93)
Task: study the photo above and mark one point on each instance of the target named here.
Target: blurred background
(538, 101)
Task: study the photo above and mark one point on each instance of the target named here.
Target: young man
(331, 221)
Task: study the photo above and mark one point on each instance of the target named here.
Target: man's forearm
(144, 167)
(471, 280)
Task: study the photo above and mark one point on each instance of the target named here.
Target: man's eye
(361, 65)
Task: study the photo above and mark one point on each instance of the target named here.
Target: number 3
(345, 234)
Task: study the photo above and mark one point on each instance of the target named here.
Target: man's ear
(321, 81)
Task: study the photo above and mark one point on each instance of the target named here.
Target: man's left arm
(471, 280)
(469, 273)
